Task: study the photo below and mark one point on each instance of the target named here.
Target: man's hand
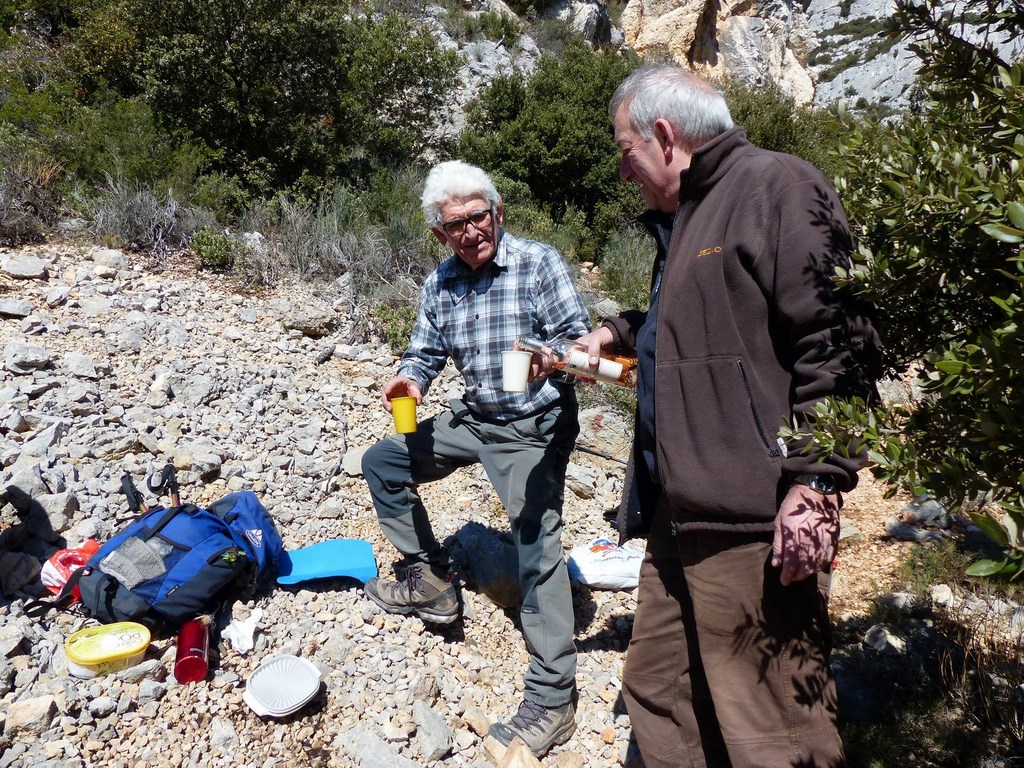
(400, 386)
(594, 342)
(806, 533)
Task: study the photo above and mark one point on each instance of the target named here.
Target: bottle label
(578, 362)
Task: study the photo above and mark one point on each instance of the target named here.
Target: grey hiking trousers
(525, 460)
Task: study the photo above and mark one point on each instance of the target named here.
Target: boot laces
(528, 716)
(412, 579)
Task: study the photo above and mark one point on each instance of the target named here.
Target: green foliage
(838, 67)
(626, 267)
(120, 137)
(36, 105)
(553, 134)
(500, 28)
(530, 8)
(466, 26)
(773, 121)
(935, 206)
(570, 234)
(375, 238)
(215, 250)
(552, 35)
(1005, 528)
(278, 91)
(395, 323)
(28, 203)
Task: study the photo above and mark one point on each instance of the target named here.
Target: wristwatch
(825, 484)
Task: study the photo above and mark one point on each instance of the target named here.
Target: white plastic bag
(604, 565)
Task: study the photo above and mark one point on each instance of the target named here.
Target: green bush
(279, 92)
(120, 137)
(215, 250)
(553, 134)
(500, 28)
(395, 323)
(935, 205)
(488, 25)
(29, 201)
(377, 238)
(626, 268)
(773, 121)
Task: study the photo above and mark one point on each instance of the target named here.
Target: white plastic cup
(515, 369)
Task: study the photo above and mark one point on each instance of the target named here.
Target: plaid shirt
(471, 316)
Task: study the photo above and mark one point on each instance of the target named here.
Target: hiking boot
(418, 589)
(540, 727)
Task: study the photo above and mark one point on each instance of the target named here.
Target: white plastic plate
(282, 684)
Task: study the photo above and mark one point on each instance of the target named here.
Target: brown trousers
(726, 667)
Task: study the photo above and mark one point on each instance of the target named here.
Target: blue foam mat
(338, 557)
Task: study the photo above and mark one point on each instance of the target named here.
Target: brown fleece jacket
(750, 333)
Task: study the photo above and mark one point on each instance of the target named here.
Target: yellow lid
(110, 642)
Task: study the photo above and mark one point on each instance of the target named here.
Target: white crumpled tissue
(240, 633)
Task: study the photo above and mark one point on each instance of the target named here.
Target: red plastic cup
(190, 663)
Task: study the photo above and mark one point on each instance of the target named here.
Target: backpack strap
(225, 508)
(37, 609)
(170, 514)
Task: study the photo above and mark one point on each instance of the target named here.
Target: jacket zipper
(773, 451)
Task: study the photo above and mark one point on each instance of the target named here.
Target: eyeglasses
(457, 227)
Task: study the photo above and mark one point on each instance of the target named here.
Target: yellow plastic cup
(404, 411)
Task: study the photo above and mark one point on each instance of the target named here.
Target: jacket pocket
(717, 456)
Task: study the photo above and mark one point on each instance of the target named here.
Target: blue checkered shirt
(471, 316)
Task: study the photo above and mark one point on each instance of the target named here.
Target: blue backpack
(173, 564)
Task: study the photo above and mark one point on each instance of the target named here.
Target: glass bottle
(573, 358)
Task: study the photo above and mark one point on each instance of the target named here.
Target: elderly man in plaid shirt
(494, 288)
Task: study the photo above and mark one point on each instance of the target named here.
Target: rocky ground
(117, 363)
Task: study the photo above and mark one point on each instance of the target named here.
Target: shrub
(553, 133)
(126, 213)
(278, 91)
(120, 137)
(626, 267)
(773, 121)
(500, 28)
(215, 250)
(395, 324)
(376, 238)
(934, 205)
(28, 202)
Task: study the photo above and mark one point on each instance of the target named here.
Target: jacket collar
(711, 162)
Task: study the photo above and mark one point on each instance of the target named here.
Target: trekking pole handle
(135, 502)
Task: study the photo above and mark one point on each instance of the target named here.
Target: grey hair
(455, 180)
(690, 104)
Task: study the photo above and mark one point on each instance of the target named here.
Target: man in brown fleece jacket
(728, 663)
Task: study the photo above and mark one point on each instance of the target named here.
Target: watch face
(819, 483)
(823, 483)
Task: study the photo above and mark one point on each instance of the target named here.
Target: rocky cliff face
(820, 51)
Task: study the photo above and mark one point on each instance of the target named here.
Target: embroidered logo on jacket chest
(710, 251)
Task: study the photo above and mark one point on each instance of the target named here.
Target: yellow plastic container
(110, 648)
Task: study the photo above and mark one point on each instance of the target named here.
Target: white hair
(690, 104)
(455, 180)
